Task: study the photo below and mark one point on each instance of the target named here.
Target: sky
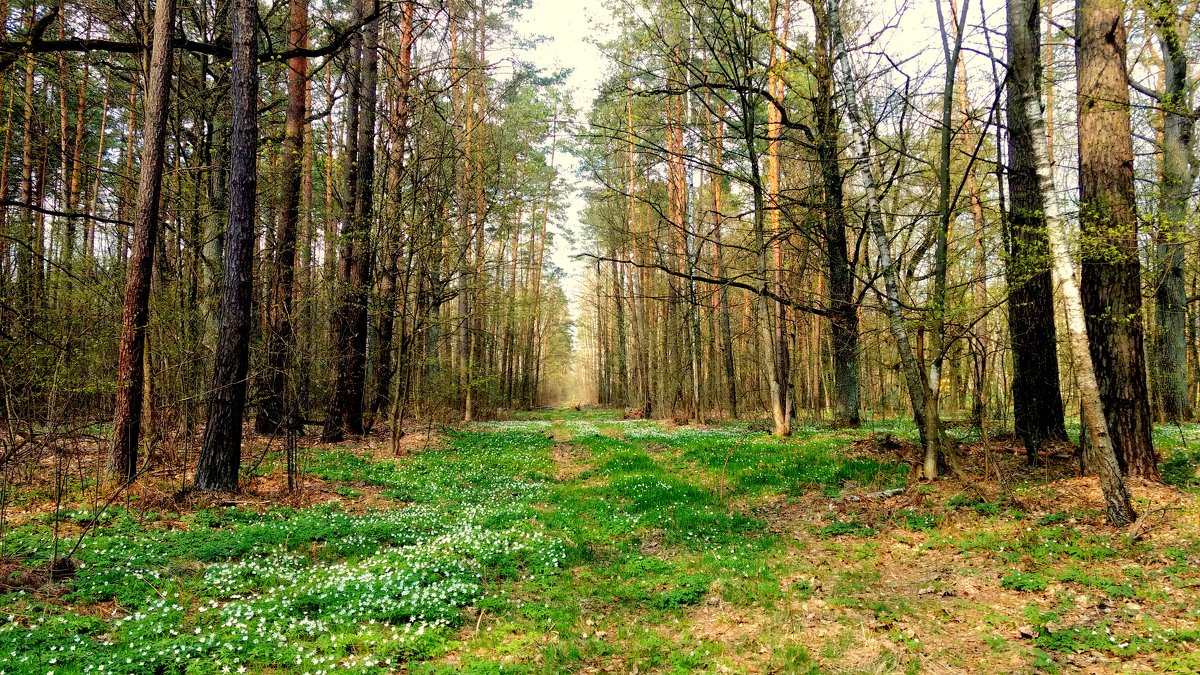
(571, 26)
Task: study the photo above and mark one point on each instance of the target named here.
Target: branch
(74, 215)
(33, 44)
(1144, 90)
(35, 35)
(762, 291)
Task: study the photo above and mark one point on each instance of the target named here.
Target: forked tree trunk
(127, 414)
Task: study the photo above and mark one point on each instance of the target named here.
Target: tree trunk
(278, 403)
(731, 388)
(345, 410)
(27, 262)
(918, 389)
(127, 414)
(1037, 398)
(385, 369)
(1179, 167)
(843, 308)
(1111, 278)
(221, 455)
(1027, 100)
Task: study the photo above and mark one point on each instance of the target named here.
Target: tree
(348, 375)
(1118, 506)
(1037, 399)
(918, 388)
(220, 456)
(276, 409)
(1111, 279)
(127, 414)
(843, 307)
(1179, 169)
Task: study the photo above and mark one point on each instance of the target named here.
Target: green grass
(310, 589)
(493, 557)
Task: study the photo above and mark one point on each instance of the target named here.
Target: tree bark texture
(1111, 278)
(221, 454)
(127, 414)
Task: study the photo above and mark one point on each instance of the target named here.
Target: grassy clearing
(576, 542)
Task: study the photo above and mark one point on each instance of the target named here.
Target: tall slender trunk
(980, 347)
(395, 187)
(345, 409)
(640, 327)
(127, 415)
(278, 403)
(221, 454)
(1179, 168)
(27, 262)
(918, 389)
(947, 206)
(718, 197)
(775, 85)
(89, 224)
(843, 307)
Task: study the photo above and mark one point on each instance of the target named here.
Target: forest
(485, 336)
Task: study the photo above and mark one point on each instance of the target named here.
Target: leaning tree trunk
(1111, 278)
(1116, 496)
(918, 389)
(221, 455)
(127, 414)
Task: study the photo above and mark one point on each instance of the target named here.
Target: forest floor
(573, 541)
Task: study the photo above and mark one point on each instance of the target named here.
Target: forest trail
(574, 541)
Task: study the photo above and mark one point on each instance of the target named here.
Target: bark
(1118, 506)
(278, 404)
(27, 265)
(843, 308)
(1111, 276)
(778, 317)
(384, 369)
(219, 128)
(622, 338)
(980, 346)
(127, 414)
(89, 223)
(640, 327)
(1037, 398)
(6, 251)
(947, 206)
(1179, 167)
(731, 389)
(220, 456)
(345, 410)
